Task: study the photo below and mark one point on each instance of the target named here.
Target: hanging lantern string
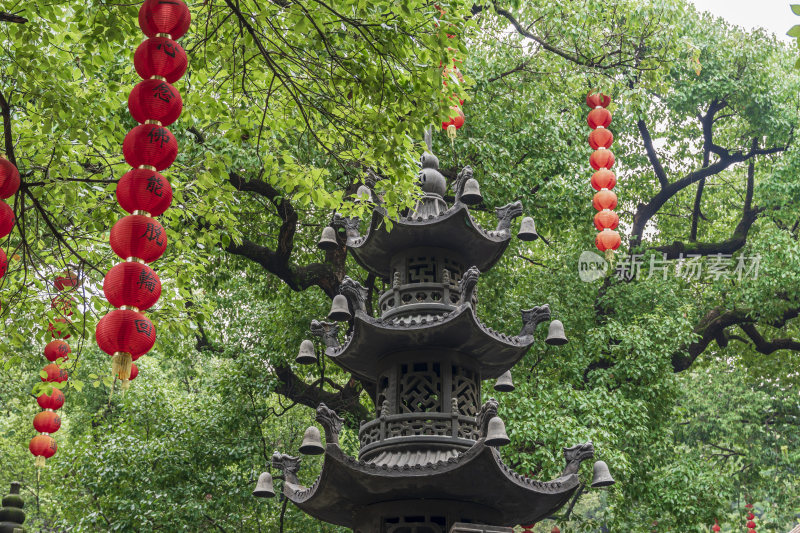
(603, 180)
(132, 287)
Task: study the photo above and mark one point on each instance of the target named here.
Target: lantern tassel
(39, 461)
(121, 365)
(610, 256)
(452, 131)
(125, 385)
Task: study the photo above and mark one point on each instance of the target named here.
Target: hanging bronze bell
(328, 240)
(527, 230)
(555, 334)
(602, 477)
(312, 443)
(504, 383)
(363, 193)
(264, 488)
(496, 433)
(339, 310)
(472, 192)
(306, 355)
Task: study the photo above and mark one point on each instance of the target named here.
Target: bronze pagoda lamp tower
(429, 461)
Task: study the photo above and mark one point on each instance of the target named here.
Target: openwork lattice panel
(466, 391)
(421, 388)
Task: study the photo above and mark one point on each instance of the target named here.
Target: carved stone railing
(418, 297)
(449, 429)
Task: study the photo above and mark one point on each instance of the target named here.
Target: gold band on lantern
(129, 308)
(153, 122)
(167, 35)
(45, 433)
(151, 168)
(51, 410)
(132, 259)
(159, 78)
(142, 212)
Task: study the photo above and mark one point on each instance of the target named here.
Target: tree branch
(651, 154)
(12, 17)
(310, 395)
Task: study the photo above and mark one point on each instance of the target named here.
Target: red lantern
(138, 236)
(127, 331)
(52, 401)
(43, 447)
(6, 219)
(607, 240)
(606, 219)
(601, 159)
(47, 422)
(144, 190)
(599, 117)
(160, 56)
(597, 100)
(60, 328)
(456, 121)
(604, 199)
(751, 530)
(55, 374)
(63, 305)
(601, 137)
(715, 528)
(750, 516)
(132, 284)
(751, 524)
(150, 145)
(3, 263)
(748, 506)
(9, 178)
(66, 281)
(134, 372)
(155, 100)
(56, 349)
(603, 179)
(555, 530)
(158, 16)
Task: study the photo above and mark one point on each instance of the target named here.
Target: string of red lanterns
(9, 185)
(751, 525)
(603, 179)
(455, 123)
(43, 446)
(138, 238)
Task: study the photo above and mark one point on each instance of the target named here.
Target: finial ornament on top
(532, 318)
(468, 284)
(506, 214)
(355, 293)
(327, 331)
(330, 422)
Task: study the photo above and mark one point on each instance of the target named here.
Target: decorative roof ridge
(554, 486)
(433, 321)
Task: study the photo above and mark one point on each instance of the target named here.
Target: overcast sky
(774, 15)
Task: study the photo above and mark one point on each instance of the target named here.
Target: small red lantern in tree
(9, 178)
(59, 328)
(3, 263)
(142, 190)
(158, 16)
(715, 528)
(454, 123)
(155, 100)
(47, 422)
(66, 281)
(606, 219)
(54, 400)
(607, 240)
(604, 199)
(751, 524)
(138, 237)
(603, 179)
(599, 118)
(55, 374)
(160, 57)
(123, 334)
(601, 138)
(594, 100)
(57, 349)
(602, 159)
(42, 447)
(150, 145)
(7, 219)
(132, 284)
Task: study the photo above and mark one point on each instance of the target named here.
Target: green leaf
(795, 9)
(794, 31)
